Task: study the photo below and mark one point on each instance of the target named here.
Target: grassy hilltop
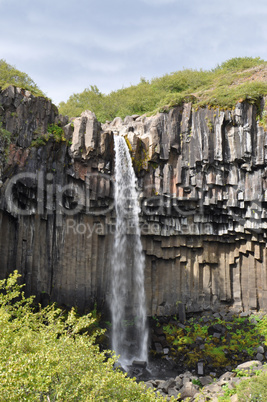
(238, 79)
(9, 75)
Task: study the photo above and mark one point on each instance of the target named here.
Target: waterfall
(128, 304)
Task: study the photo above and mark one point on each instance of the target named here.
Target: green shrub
(254, 389)
(9, 75)
(239, 63)
(46, 355)
(40, 141)
(56, 132)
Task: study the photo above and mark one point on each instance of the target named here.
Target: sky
(67, 45)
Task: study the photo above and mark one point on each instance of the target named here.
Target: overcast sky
(67, 45)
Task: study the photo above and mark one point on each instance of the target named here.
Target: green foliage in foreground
(9, 75)
(253, 389)
(46, 356)
(221, 87)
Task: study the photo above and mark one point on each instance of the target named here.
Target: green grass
(10, 75)
(253, 389)
(221, 87)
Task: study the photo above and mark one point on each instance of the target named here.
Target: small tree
(48, 355)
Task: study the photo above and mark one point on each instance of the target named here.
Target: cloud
(159, 2)
(67, 45)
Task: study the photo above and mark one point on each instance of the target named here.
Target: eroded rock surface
(203, 193)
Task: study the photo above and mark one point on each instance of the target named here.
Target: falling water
(128, 304)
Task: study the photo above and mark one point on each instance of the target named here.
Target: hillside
(235, 80)
(10, 75)
(238, 79)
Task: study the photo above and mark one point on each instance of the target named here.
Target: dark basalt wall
(202, 180)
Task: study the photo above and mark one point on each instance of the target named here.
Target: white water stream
(128, 304)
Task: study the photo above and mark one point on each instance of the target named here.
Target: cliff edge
(202, 181)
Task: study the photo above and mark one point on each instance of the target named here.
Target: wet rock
(216, 330)
(158, 347)
(139, 363)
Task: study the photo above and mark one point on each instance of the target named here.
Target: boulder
(189, 390)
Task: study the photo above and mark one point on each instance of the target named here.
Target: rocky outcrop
(25, 115)
(202, 180)
(191, 387)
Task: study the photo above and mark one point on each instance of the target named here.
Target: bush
(46, 355)
(239, 63)
(254, 389)
(54, 132)
(9, 75)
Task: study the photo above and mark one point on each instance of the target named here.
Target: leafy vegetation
(54, 132)
(230, 82)
(236, 340)
(253, 389)
(9, 75)
(49, 355)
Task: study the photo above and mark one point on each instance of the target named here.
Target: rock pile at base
(190, 387)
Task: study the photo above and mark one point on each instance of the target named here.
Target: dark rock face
(202, 177)
(25, 115)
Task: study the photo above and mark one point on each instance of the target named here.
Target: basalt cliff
(202, 178)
